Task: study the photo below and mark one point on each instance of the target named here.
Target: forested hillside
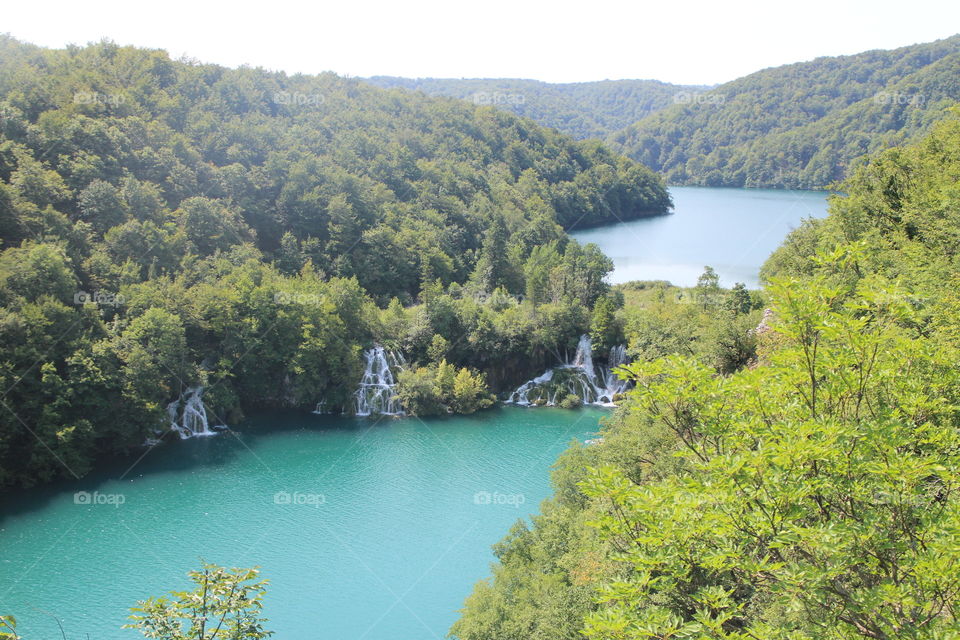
(810, 494)
(167, 224)
(580, 109)
(801, 125)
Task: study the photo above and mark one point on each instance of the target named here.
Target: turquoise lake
(731, 230)
(366, 529)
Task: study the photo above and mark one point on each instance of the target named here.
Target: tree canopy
(167, 224)
(801, 125)
(806, 492)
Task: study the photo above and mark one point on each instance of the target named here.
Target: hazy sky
(671, 40)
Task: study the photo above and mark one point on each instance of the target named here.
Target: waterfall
(188, 416)
(376, 394)
(584, 356)
(612, 384)
(590, 383)
(521, 395)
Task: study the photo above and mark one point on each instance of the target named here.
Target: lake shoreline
(733, 230)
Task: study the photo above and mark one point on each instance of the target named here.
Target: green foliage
(802, 125)
(606, 329)
(226, 603)
(167, 224)
(470, 392)
(540, 588)
(799, 513)
(708, 322)
(738, 300)
(442, 388)
(8, 628)
(809, 495)
(33, 270)
(582, 110)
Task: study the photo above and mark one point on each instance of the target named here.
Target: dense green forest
(808, 492)
(167, 224)
(801, 125)
(580, 109)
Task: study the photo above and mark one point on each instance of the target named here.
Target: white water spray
(188, 416)
(376, 394)
(593, 385)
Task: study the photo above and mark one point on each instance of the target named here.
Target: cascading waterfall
(521, 395)
(584, 356)
(376, 394)
(188, 416)
(612, 384)
(592, 384)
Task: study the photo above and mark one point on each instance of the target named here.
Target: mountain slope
(170, 225)
(800, 125)
(778, 500)
(582, 110)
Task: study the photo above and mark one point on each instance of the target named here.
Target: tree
(438, 348)
(101, 206)
(446, 377)
(33, 270)
(289, 257)
(8, 628)
(225, 604)
(492, 269)
(738, 299)
(708, 287)
(344, 233)
(822, 507)
(605, 330)
(470, 392)
(418, 393)
(210, 225)
(153, 352)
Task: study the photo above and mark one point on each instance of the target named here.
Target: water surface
(731, 230)
(366, 529)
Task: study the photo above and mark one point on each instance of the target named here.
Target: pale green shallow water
(732, 230)
(390, 554)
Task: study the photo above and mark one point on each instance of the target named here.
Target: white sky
(695, 42)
